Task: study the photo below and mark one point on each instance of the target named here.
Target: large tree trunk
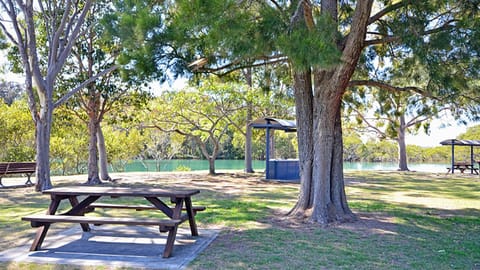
(402, 146)
(102, 155)
(304, 114)
(339, 197)
(327, 183)
(330, 204)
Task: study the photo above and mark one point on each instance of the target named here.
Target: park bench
(27, 168)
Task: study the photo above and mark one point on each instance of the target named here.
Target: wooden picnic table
(82, 200)
(463, 166)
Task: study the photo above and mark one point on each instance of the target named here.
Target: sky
(441, 129)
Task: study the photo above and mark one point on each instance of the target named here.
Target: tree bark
(302, 84)
(210, 157)
(93, 171)
(402, 146)
(42, 134)
(339, 196)
(248, 131)
(327, 182)
(248, 144)
(211, 166)
(102, 155)
(330, 204)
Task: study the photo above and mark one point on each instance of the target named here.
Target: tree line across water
(129, 138)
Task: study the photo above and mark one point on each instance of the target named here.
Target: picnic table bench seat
(41, 220)
(27, 168)
(165, 225)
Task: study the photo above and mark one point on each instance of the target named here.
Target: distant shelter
(471, 144)
(288, 169)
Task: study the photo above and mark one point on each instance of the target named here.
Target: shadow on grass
(396, 229)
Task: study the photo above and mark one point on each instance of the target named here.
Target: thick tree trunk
(339, 197)
(330, 204)
(402, 146)
(304, 114)
(329, 199)
(102, 155)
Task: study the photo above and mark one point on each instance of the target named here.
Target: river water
(259, 165)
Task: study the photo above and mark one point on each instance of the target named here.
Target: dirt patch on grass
(365, 224)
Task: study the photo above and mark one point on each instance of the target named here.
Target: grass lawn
(406, 221)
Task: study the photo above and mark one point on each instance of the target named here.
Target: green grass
(407, 221)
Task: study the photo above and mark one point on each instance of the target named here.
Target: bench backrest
(17, 167)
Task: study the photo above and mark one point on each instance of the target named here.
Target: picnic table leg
(172, 232)
(79, 209)
(191, 216)
(42, 231)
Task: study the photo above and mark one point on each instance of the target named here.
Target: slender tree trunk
(248, 131)
(211, 158)
(402, 147)
(93, 171)
(248, 144)
(272, 144)
(42, 134)
(102, 155)
(211, 166)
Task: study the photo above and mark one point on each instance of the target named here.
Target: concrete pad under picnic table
(115, 245)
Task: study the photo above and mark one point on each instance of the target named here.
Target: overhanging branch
(389, 87)
(63, 99)
(239, 64)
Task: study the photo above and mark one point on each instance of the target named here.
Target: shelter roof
(274, 123)
(461, 142)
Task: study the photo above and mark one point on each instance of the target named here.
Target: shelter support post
(267, 154)
(453, 158)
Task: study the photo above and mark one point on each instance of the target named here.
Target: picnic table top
(121, 191)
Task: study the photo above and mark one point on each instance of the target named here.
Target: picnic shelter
(278, 169)
(457, 142)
